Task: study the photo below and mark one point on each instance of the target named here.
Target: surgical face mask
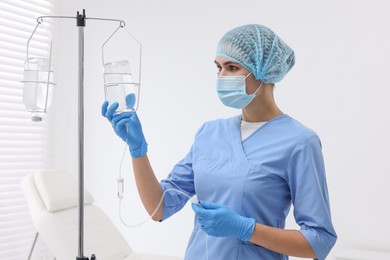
(232, 91)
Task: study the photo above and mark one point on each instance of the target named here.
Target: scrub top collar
(236, 134)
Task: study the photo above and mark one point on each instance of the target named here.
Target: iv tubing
(120, 196)
(154, 212)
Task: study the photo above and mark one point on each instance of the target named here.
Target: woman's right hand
(128, 127)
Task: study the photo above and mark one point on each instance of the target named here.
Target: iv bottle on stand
(37, 86)
(120, 87)
(121, 60)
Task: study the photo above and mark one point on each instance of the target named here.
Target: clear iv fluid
(37, 86)
(35, 91)
(119, 83)
(118, 93)
(113, 78)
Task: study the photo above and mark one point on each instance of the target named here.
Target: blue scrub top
(280, 164)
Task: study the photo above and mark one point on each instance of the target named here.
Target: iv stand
(81, 22)
(81, 25)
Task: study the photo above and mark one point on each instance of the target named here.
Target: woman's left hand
(220, 221)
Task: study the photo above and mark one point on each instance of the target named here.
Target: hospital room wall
(338, 87)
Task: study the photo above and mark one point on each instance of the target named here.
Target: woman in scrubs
(246, 171)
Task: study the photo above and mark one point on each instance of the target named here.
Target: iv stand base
(93, 257)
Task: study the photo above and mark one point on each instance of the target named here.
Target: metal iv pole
(81, 23)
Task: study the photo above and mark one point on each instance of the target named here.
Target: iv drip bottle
(37, 86)
(118, 84)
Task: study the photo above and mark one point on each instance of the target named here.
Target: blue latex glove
(128, 127)
(220, 221)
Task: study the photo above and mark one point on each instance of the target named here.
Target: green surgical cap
(259, 50)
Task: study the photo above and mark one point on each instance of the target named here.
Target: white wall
(338, 87)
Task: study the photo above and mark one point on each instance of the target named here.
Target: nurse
(247, 170)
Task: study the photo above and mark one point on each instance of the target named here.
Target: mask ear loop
(257, 87)
(260, 86)
(248, 75)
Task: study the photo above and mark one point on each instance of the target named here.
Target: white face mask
(232, 91)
